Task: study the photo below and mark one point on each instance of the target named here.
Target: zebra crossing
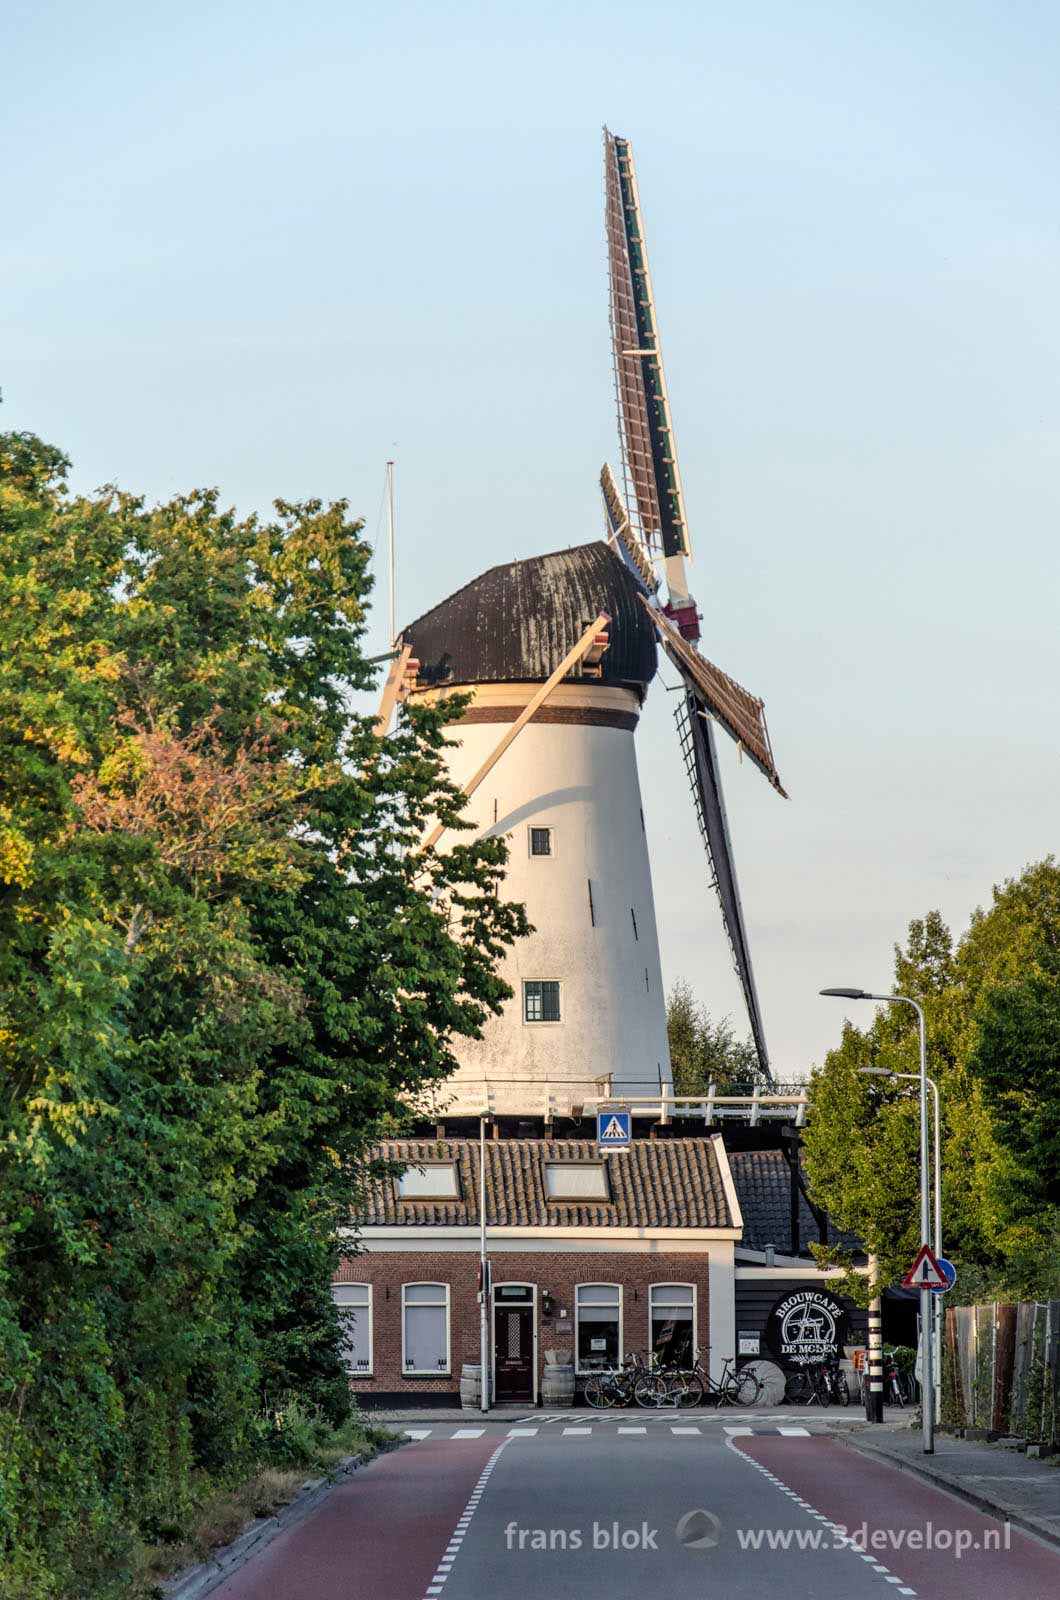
(586, 1431)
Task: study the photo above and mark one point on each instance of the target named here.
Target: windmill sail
(620, 535)
(649, 455)
(701, 764)
(657, 513)
(740, 713)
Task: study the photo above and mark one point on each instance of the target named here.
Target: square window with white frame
(425, 1328)
(354, 1302)
(541, 842)
(672, 1324)
(597, 1326)
(541, 1000)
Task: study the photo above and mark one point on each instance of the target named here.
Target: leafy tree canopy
(703, 1051)
(225, 969)
(992, 1006)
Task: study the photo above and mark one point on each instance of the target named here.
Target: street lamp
(914, 1077)
(485, 1287)
(928, 1383)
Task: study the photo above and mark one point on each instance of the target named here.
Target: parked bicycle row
(654, 1387)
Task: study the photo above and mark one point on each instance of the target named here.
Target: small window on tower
(541, 1001)
(540, 841)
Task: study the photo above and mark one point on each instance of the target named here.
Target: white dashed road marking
(688, 1430)
(833, 1527)
(452, 1549)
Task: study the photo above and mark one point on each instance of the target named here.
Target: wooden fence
(1001, 1369)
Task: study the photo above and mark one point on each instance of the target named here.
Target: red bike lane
(873, 1498)
(378, 1537)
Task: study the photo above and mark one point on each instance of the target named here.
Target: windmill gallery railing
(757, 1103)
(783, 1101)
(1001, 1369)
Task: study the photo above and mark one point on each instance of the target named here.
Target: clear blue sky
(268, 246)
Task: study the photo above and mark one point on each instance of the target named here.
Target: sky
(268, 247)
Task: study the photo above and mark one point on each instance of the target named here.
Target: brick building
(593, 1257)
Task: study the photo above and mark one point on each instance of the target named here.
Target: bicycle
(835, 1383)
(809, 1386)
(623, 1386)
(823, 1384)
(695, 1386)
(894, 1383)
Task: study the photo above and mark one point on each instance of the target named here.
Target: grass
(221, 1513)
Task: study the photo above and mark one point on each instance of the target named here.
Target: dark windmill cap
(515, 623)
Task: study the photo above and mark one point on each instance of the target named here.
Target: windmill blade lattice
(701, 764)
(649, 454)
(655, 511)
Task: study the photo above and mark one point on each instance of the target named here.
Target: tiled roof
(762, 1179)
(666, 1183)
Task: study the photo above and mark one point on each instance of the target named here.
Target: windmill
(555, 656)
(647, 526)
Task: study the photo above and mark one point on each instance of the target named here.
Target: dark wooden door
(513, 1333)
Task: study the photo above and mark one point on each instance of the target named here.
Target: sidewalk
(995, 1478)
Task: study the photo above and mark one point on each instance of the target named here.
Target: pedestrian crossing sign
(613, 1130)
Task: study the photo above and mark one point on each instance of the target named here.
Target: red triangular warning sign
(925, 1273)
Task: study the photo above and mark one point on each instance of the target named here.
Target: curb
(941, 1480)
(205, 1576)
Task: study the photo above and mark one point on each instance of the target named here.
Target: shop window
(672, 1330)
(425, 1328)
(354, 1302)
(541, 1001)
(598, 1325)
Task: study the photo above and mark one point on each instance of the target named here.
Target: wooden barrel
(557, 1386)
(471, 1386)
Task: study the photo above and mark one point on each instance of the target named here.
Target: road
(587, 1508)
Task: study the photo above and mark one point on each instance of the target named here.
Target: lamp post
(914, 1077)
(485, 1292)
(928, 1380)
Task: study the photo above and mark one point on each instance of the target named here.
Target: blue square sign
(613, 1130)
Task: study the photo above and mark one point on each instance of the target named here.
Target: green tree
(991, 1005)
(225, 969)
(702, 1051)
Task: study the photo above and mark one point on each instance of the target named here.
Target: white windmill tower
(556, 654)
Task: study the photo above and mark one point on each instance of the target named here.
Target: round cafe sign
(806, 1327)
